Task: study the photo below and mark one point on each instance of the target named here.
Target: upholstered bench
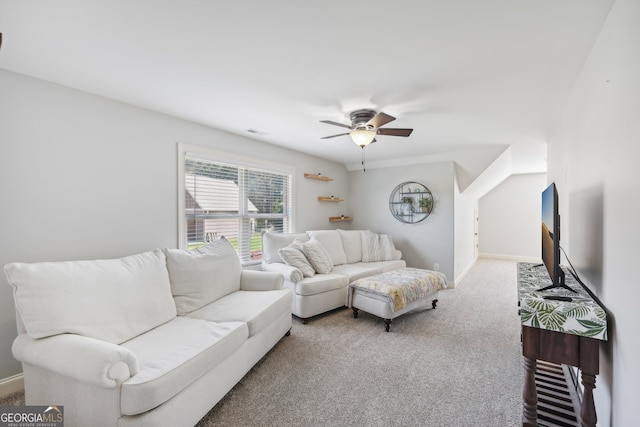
(391, 294)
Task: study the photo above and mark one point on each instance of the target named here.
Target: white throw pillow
(111, 300)
(377, 247)
(317, 256)
(273, 242)
(352, 244)
(294, 256)
(387, 248)
(202, 275)
(332, 242)
(370, 246)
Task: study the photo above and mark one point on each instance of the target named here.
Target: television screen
(551, 238)
(550, 231)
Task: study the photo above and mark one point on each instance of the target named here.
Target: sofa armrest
(253, 280)
(289, 273)
(88, 360)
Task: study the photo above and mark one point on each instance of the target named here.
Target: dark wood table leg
(588, 417)
(387, 324)
(355, 312)
(529, 394)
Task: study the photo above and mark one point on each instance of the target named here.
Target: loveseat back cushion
(272, 242)
(173, 356)
(332, 242)
(112, 300)
(200, 276)
(352, 244)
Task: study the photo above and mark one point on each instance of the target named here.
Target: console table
(564, 332)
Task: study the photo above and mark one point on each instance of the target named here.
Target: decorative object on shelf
(411, 202)
(425, 204)
(317, 176)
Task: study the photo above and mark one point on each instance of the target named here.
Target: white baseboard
(511, 257)
(11, 385)
(463, 274)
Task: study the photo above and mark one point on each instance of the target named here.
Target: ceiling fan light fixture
(362, 137)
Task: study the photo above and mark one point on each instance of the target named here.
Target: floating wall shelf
(330, 199)
(317, 176)
(339, 218)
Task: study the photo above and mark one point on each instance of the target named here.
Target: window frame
(234, 159)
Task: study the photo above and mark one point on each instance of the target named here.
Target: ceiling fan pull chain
(364, 169)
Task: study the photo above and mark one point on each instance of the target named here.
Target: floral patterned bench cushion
(402, 286)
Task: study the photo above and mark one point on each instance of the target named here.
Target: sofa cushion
(317, 256)
(294, 256)
(258, 309)
(358, 270)
(173, 356)
(112, 300)
(321, 283)
(202, 275)
(272, 242)
(332, 242)
(352, 244)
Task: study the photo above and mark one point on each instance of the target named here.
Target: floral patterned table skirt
(581, 316)
(401, 286)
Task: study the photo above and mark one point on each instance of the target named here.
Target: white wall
(424, 243)
(85, 177)
(594, 157)
(465, 209)
(510, 216)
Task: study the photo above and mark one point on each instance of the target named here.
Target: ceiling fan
(365, 125)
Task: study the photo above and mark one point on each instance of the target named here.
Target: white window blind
(234, 201)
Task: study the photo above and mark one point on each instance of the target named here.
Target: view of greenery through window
(236, 202)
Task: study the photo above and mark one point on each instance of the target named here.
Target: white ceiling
(466, 74)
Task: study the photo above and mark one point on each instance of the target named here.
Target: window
(224, 195)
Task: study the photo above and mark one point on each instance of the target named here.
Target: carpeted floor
(458, 365)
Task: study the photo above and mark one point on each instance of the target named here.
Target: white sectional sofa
(319, 285)
(153, 339)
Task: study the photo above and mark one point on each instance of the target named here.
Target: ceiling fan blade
(380, 119)
(395, 131)
(333, 136)
(330, 122)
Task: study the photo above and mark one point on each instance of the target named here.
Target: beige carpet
(457, 365)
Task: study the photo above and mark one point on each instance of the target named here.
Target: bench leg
(387, 324)
(355, 312)
(433, 303)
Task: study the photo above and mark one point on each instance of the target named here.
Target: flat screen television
(551, 238)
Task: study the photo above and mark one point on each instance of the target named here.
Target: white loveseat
(319, 285)
(153, 339)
